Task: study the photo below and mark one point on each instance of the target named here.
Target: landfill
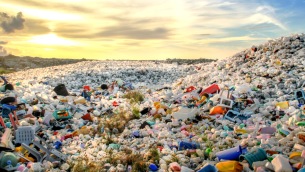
(241, 113)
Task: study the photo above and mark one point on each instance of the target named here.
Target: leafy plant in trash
(136, 112)
(153, 155)
(83, 164)
(5, 71)
(139, 166)
(209, 144)
(158, 116)
(118, 121)
(111, 158)
(109, 140)
(174, 159)
(134, 97)
(204, 138)
(126, 157)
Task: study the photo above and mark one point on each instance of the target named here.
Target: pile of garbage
(243, 113)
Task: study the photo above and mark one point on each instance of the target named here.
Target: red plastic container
(115, 103)
(214, 88)
(87, 87)
(190, 89)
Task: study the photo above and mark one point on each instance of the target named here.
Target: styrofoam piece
(281, 163)
(48, 116)
(185, 113)
(6, 139)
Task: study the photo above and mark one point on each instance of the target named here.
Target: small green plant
(175, 159)
(154, 155)
(5, 71)
(139, 166)
(134, 97)
(204, 138)
(158, 116)
(81, 165)
(210, 144)
(136, 113)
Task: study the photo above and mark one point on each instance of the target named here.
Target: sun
(51, 39)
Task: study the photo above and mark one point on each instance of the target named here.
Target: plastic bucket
(258, 155)
(61, 90)
(230, 154)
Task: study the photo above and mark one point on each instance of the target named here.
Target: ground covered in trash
(242, 113)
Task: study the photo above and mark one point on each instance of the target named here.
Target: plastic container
(208, 168)
(62, 114)
(61, 90)
(6, 110)
(300, 96)
(186, 169)
(229, 166)
(257, 155)
(231, 154)
(190, 89)
(217, 110)
(214, 88)
(283, 105)
(87, 87)
(231, 115)
(24, 134)
(188, 145)
(281, 164)
(8, 158)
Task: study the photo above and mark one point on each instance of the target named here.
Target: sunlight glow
(51, 39)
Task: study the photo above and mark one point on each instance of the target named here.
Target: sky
(142, 29)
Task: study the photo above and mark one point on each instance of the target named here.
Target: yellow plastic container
(229, 166)
(295, 154)
(283, 105)
(241, 131)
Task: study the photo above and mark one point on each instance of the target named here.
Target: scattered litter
(243, 113)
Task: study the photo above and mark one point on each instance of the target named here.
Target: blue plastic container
(231, 154)
(153, 167)
(302, 170)
(300, 96)
(183, 145)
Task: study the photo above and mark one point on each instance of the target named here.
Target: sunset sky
(142, 29)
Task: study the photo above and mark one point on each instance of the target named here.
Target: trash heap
(243, 113)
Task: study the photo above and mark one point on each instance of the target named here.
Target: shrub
(134, 97)
(136, 113)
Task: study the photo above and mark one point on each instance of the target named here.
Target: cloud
(35, 26)
(263, 26)
(52, 5)
(3, 42)
(3, 51)
(73, 31)
(224, 15)
(128, 29)
(11, 23)
(135, 33)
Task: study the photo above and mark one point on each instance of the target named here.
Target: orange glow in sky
(141, 29)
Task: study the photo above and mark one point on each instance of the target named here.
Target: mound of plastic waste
(243, 113)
